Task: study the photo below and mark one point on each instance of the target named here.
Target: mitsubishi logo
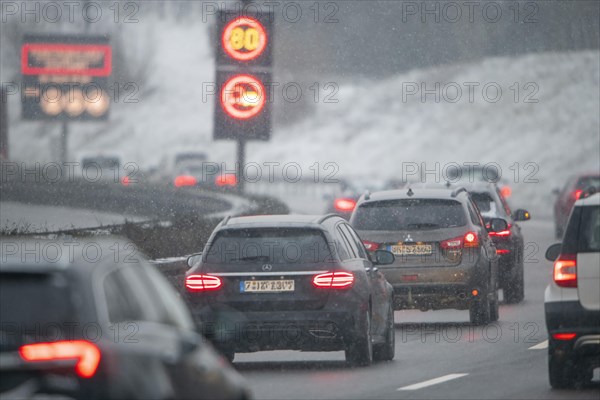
(267, 267)
(408, 238)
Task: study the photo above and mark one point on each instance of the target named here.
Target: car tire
(359, 351)
(387, 350)
(480, 312)
(560, 372)
(515, 291)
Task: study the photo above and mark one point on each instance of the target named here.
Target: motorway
(439, 355)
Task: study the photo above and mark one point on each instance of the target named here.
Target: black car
(292, 282)
(510, 245)
(92, 319)
(445, 257)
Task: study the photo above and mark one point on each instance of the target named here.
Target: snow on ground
(545, 131)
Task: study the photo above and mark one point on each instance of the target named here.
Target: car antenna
(367, 195)
(410, 192)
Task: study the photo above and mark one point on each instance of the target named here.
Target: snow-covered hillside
(550, 125)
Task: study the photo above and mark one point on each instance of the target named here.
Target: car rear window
(589, 230)
(269, 245)
(409, 214)
(34, 307)
(484, 202)
(588, 181)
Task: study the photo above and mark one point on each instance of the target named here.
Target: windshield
(269, 245)
(399, 215)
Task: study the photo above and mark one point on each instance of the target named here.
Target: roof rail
(322, 218)
(226, 220)
(458, 191)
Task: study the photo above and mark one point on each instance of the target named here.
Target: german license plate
(267, 286)
(411, 249)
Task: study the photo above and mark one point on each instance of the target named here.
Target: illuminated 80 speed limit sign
(244, 39)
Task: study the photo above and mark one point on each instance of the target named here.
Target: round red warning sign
(244, 38)
(243, 96)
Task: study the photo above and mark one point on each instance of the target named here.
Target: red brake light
(202, 283)
(506, 191)
(344, 204)
(86, 354)
(452, 244)
(502, 251)
(185, 180)
(505, 233)
(226, 180)
(565, 270)
(577, 194)
(334, 280)
(370, 246)
(564, 336)
(471, 240)
(125, 181)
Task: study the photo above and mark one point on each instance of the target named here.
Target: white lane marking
(540, 346)
(432, 382)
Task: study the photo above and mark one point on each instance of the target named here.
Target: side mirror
(497, 225)
(521, 215)
(384, 257)
(194, 259)
(553, 252)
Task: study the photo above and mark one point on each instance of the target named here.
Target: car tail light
(502, 251)
(85, 354)
(506, 191)
(577, 194)
(564, 336)
(202, 283)
(565, 270)
(452, 244)
(125, 181)
(505, 233)
(334, 280)
(226, 180)
(471, 240)
(344, 204)
(370, 246)
(185, 180)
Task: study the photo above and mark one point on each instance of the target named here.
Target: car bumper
(319, 330)
(571, 317)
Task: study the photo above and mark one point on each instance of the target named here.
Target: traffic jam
(303, 200)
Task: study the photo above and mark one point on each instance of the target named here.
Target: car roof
(76, 255)
(593, 200)
(415, 193)
(475, 186)
(276, 221)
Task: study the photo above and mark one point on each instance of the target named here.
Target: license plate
(411, 249)
(267, 286)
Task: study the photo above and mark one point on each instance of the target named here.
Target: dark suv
(93, 320)
(445, 257)
(292, 282)
(509, 243)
